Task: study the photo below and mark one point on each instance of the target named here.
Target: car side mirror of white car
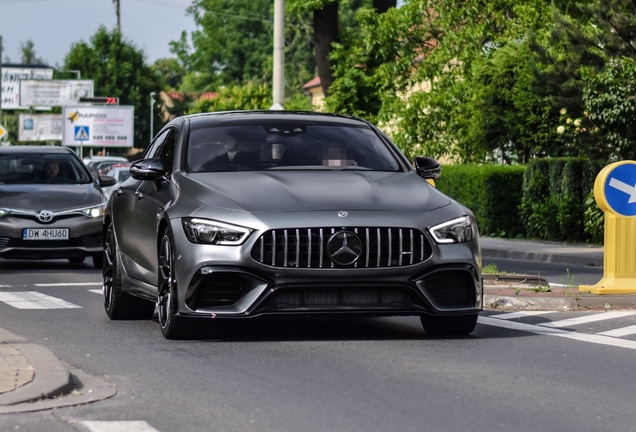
(105, 180)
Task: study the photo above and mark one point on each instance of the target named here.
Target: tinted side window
(166, 151)
(154, 147)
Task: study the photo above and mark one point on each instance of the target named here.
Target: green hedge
(554, 198)
(492, 192)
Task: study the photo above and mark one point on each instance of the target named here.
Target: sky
(54, 25)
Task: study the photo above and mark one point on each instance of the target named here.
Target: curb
(563, 303)
(545, 257)
(52, 377)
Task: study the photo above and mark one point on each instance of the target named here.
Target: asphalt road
(371, 374)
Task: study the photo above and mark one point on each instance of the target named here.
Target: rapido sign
(99, 126)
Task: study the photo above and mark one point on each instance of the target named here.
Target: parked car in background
(119, 172)
(50, 205)
(100, 165)
(239, 214)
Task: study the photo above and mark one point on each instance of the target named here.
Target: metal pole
(118, 15)
(279, 52)
(152, 104)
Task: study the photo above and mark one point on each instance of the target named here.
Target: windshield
(290, 146)
(18, 168)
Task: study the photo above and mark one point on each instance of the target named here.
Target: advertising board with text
(40, 127)
(54, 92)
(99, 126)
(11, 77)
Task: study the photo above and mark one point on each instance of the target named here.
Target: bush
(491, 192)
(554, 198)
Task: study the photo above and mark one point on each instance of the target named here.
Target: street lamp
(152, 104)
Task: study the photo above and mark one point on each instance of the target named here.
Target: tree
(248, 97)
(119, 69)
(416, 70)
(28, 53)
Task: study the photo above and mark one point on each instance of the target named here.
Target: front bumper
(85, 238)
(222, 281)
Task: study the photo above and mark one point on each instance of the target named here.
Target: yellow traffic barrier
(615, 194)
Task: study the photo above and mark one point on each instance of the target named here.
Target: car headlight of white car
(207, 231)
(460, 230)
(4, 212)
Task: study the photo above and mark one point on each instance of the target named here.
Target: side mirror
(147, 169)
(427, 167)
(105, 181)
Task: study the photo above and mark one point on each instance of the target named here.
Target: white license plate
(45, 234)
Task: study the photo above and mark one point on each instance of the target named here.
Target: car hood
(52, 197)
(284, 191)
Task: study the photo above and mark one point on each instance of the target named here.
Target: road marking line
(118, 426)
(530, 328)
(625, 331)
(67, 284)
(588, 319)
(97, 291)
(513, 315)
(34, 300)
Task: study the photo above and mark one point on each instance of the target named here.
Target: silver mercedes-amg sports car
(239, 214)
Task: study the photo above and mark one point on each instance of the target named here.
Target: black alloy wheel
(449, 325)
(118, 304)
(172, 325)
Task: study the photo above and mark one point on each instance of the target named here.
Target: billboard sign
(54, 92)
(98, 126)
(11, 77)
(40, 127)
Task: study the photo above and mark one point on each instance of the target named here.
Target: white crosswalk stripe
(67, 284)
(588, 319)
(34, 300)
(97, 291)
(620, 332)
(118, 426)
(551, 331)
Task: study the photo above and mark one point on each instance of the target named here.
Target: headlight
(94, 212)
(4, 212)
(460, 230)
(213, 232)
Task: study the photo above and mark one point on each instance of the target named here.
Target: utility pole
(279, 54)
(152, 104)
(117, 11)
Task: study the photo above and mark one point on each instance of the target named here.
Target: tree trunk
(325, 34)
(382, 6)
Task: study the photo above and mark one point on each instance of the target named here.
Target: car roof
(36, 149)
(304, 116)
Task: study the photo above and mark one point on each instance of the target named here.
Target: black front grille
(86, 241)
(343, 297)
(307, 247)
(451, 287)
(218, 289)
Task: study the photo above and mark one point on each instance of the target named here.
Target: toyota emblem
(343, 214)
(44, 216)
(344, 248)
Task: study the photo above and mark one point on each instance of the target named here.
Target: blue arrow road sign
(620, 189)
(81, 133)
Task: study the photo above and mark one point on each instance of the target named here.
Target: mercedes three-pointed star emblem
(344, 247)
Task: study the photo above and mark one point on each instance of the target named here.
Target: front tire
(172, 325)
(449, 325)
(118, 304)
(98, 260)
